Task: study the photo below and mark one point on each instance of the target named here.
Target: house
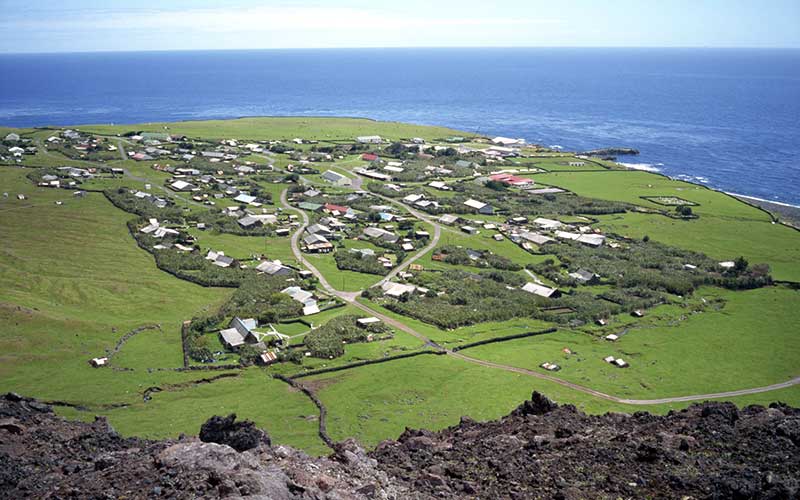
(249, 221)
(413, 198)
(311, 207)
(407, 247)
(320, 229)
(316, 243)
(382, 234)
(245, 199)
(216, 155)
(508, 142)
(547, 223)
(540, 290)
(583, 276)
(219, 259)
(480, 207)
(448, 219)
(396, 290)
(180, 185)
(728, 264)
(335, 209)
(535, 238)
(427, 203)
(441, 186)
(637, 313)
(511, 180)
(612, 337)
(369, 157)
(551, 367)
(335, 178)
(302, 296)
(369, 139)
(368, 322)
(392, 168)
(593, 240)
(498, 237)
(274, 268)
(12, 137)
(311, 193)
(239, 332)
(372, 174)
(469, 230)
(577, 163)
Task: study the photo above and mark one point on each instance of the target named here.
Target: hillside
(392, 275)
(540, 450)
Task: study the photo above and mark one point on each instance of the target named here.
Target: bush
(328, 340)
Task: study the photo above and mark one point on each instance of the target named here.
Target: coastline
(787, 213)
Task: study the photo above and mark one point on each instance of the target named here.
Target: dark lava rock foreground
(540, 450)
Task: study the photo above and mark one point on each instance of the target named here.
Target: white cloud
(261, 19)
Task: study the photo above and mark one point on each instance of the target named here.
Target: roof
(332, 176)
(594, 240)
(448, 219)
(537, 238)
(396, 289)
(245, 198)
(273, 267)
(309, 206)
(368, 321)
(336, 208)
(477, 205)
(548, 223)
(309, 310)
(232, 337)
(539, 290)
(303, 296)
(318, 228)
(181, 185)
(312, 239)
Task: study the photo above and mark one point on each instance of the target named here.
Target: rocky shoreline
(540, 450)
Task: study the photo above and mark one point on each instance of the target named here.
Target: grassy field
(288, 415)
(285, 128)
(672, 354)
(72, 284)
(243, 247)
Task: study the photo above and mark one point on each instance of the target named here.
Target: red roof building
(511, 180)
(330, 207)
(369, 157)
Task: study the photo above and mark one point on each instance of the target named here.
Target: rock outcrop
(540, 450)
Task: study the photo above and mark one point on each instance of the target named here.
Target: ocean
(727, 118)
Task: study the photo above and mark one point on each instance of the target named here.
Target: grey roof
(312, 239)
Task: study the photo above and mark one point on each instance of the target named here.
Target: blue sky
(91, 25)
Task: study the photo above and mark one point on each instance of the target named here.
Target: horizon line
(411, 47)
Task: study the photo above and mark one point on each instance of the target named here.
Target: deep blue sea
(726, 117)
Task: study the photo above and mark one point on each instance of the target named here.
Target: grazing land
(394, 275)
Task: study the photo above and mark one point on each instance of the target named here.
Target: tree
(646, 238)
(740, 264)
